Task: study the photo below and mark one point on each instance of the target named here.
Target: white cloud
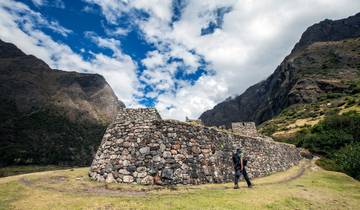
(27, 18)
(88, 9)
(120, 31)
(111, 9)
(52, 3)
(18, 25)
(158, 8)
(56, 27)
(154, 59)
(38, 2)
(109, 43)
(254, 38)
(191, 60)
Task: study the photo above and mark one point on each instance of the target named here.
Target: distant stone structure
(244, 128)
(140, 147)
(192, 121)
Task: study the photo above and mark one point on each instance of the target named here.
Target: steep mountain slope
(325, 60)
(50, 116)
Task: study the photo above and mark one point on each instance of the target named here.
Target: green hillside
(331, 131)
(299, 116)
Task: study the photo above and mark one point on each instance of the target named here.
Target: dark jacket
(237, 161)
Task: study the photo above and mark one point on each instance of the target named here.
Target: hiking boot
(250, 186)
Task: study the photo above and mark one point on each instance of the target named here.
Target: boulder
(128, 179)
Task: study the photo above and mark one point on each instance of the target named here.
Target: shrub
(336, 139)
(269, 129)
(334, 95)
(348, 159)
(312, 114)
(326, 143)
(328, 164)
(355, 87)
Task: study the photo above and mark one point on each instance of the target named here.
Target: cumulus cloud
(244, 43)
(162, 70)
(109, 43)
(20, 25)
(111, 9)
(204, 51)
(27, 18)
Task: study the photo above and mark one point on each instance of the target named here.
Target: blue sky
(180, 56)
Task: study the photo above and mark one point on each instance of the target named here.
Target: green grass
(71, 189)
(327, 164)
(9, 192)
(16, 170)
(290, 203)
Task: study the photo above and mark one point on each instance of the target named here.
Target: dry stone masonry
(140, 147)
(245, 129)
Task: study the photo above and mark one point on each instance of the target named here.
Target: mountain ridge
(298, 79)
(330, 30)
(66, 112)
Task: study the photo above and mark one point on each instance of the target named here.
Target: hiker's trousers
(243, 172)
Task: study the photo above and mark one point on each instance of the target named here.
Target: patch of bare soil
(299, 173)
(57, 179)
(47, 183)
(25, 181)
(111, 192)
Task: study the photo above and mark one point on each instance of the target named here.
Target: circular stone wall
(141, 148)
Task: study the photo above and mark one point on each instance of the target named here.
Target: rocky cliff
(50, 116)
(324, 61)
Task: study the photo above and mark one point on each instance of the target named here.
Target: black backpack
(245, 161)
(236, 161)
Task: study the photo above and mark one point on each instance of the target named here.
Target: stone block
(167, 173)
(145, 150)
(128, 179)
(166, 154)
(148, 180)
(110, 178)
(124, 172)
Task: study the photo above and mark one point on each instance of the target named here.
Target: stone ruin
(140, 147)
(241, 128)
(244, 128)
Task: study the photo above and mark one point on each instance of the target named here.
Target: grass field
(302, 187)
(16, 170)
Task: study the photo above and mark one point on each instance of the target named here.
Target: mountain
(326, 60)
(50, 116)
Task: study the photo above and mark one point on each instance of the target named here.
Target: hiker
(239, 167)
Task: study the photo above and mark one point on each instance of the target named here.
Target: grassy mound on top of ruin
(302, 187)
